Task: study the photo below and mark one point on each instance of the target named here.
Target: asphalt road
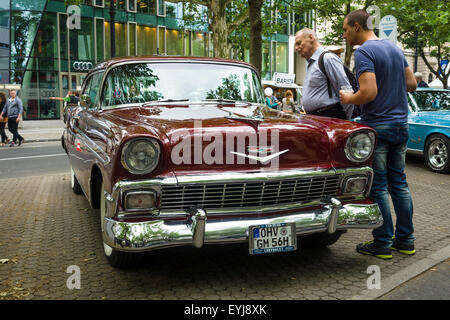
(31, 159)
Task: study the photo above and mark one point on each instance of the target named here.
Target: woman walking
(3, 121)
(13, 109)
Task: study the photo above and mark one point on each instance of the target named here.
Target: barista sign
(283, 78)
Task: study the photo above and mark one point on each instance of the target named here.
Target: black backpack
(351, 78)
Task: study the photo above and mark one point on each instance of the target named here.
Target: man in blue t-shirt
(384, 78)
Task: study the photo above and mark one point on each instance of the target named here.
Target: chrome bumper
(197, 230)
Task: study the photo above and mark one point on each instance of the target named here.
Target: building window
(132, 38)
(174, 42)
(100, 39)
(187, 43)
(131, 7)
(198, 44)
(161, 40)
(174, 10)
(281, 61)
(99, 3)
(121, 4)
(146, 40)
(146, 6)
(120, 39)
(81, 42)
(161, 8)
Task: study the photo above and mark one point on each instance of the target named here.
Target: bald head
(306, 42)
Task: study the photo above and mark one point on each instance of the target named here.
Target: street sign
(283, 78)
(444, 64)
(388, 28)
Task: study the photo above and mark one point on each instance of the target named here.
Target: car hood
(438, 118)
(198, 138)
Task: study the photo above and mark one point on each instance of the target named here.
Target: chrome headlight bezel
(355, 155)
(153, 163)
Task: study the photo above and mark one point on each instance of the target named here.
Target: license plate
(270, 238)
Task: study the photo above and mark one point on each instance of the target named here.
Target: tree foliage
(424, 23)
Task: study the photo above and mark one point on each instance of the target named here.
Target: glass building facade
(47, 52)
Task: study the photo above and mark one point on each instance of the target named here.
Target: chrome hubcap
(438, 154)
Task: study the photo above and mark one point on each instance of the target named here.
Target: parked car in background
(429, 127)
(183, 151)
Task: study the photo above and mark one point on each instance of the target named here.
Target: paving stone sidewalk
(45, 228)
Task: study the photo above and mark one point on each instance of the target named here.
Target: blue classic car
(429, 127)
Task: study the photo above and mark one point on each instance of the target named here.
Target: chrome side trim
(91, 145)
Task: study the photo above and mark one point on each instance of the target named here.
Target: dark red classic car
(178, 151)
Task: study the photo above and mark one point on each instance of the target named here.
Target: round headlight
(140, 156)
(359, 146)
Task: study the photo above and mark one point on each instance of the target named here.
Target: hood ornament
(262, 160)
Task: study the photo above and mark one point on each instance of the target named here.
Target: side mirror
(85, 101)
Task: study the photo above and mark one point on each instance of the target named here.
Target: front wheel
(115, 258)
(436, 153)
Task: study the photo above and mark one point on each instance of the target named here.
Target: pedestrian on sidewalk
(3, 121)
(13, 109)
(384, 78)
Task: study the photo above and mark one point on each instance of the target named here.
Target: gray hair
(306, 32)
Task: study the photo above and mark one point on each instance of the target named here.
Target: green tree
(223, 17)
(424, 23)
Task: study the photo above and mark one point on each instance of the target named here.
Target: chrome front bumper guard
(196, 230)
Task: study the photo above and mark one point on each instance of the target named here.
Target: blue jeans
(390, 179)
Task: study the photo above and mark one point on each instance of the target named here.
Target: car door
(84, 149)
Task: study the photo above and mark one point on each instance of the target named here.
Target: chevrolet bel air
(182, 151)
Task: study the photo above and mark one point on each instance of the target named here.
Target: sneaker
(371, 249)
(12, 144)
(403, 247)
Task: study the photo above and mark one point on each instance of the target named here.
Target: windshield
(180, 81)
(432, 100)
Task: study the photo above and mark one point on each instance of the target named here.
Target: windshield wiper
(228, 101)
(148, 103)
(221, 100)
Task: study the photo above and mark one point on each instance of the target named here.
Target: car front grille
(250, 194)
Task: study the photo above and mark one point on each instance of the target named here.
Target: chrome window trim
(137, 61)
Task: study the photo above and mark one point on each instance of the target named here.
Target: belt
(330, 107)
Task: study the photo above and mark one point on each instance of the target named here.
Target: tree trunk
(219, 28)
(255, 7)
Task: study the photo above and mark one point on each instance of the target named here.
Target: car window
(432, 100)
(91, 89)
(137, 83)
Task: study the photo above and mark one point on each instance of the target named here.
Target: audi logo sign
(82, 66)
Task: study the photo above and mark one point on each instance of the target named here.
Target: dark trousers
(333, 111)
(12, 126)
(2, 132)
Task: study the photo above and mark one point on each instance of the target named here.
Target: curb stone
(405, 275)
